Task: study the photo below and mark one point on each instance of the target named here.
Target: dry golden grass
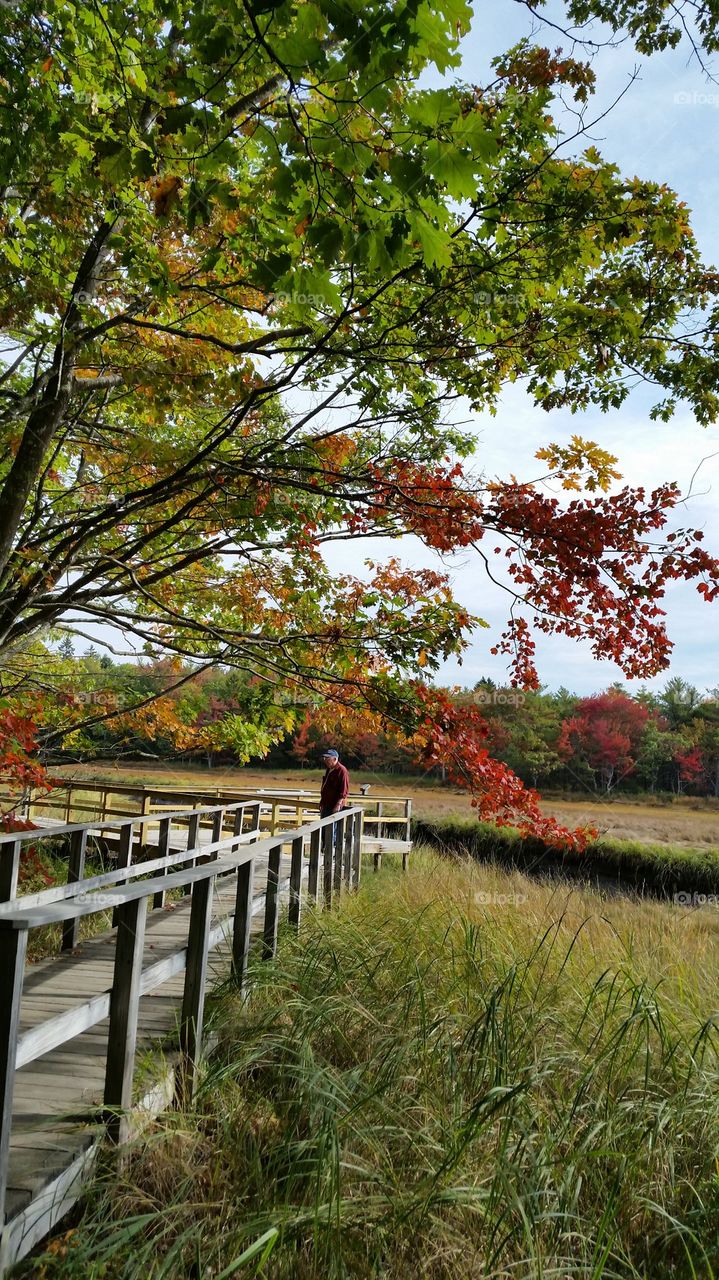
(460, 1075)
(693, 823)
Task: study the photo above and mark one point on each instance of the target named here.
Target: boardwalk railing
(324, 853)
(383, 816)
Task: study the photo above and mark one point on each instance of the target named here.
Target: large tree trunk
(47, 416)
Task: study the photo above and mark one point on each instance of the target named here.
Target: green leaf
(435, 107)
(454, 169)
(260, 1250)
(436, 243)
(407, 172)
(325, 236)
(299, 51)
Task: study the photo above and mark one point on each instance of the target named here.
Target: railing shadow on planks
(326, 853)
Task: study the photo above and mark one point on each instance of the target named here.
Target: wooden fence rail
(100, 801)
(195, 867)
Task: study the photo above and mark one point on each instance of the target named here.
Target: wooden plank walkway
(58, 1097)
(58, 1117)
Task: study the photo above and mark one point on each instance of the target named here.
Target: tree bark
(46, 417)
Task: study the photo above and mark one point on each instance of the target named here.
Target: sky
(665, 127)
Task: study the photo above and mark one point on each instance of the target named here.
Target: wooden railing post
(193, 828)
(347, 851)
(13, 948)
(124, 1008)
(357, 851)
(238, 824)
(242, 922)
(313, 876)
(163, 844)
(75, 872)
(296, 883)
(338, 834)
(218, 822)
(256, 811)
(327, 848)
(124, 857)
(9, 869)
(193, 998)
(272, 903)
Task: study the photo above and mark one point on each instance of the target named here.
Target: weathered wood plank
(313, 880)
(193, 840)
(75, 872)
(163, 845)
(124, 857)
(338, 833)
(124, 1008)
(9, 870)
(272, 903)
(68, 1081)
(33, 917)
(357, 851)
(52, 1033)
(13, 947)
(242, 923)
(327, 851)
(295, 905)
(193, 998)
(347, 851)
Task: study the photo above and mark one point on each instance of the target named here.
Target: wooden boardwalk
(58, 1096)
(58, 1113)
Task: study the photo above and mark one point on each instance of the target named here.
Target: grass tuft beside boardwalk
(461, 1074)
(632, 864)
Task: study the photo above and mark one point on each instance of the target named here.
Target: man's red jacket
(335, 787)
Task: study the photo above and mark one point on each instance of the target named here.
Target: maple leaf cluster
(589, 570)
(19, 766)
(592, 571)
(456, 736)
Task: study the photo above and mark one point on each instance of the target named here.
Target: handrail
(336, 840)
(129, 788)
(56, 1031)
(141, 819)
(63, 797)
(61, 892)
(117, 896)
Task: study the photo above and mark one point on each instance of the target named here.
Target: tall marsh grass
(637, 865)
(461, 1074)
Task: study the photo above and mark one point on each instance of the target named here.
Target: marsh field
(462, 1074)
(459, 1075)
(685, 821)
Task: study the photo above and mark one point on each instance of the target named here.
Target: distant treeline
(658, 742)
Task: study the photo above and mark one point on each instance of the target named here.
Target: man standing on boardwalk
(335, 784)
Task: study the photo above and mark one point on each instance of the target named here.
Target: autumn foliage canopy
(247, 265)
